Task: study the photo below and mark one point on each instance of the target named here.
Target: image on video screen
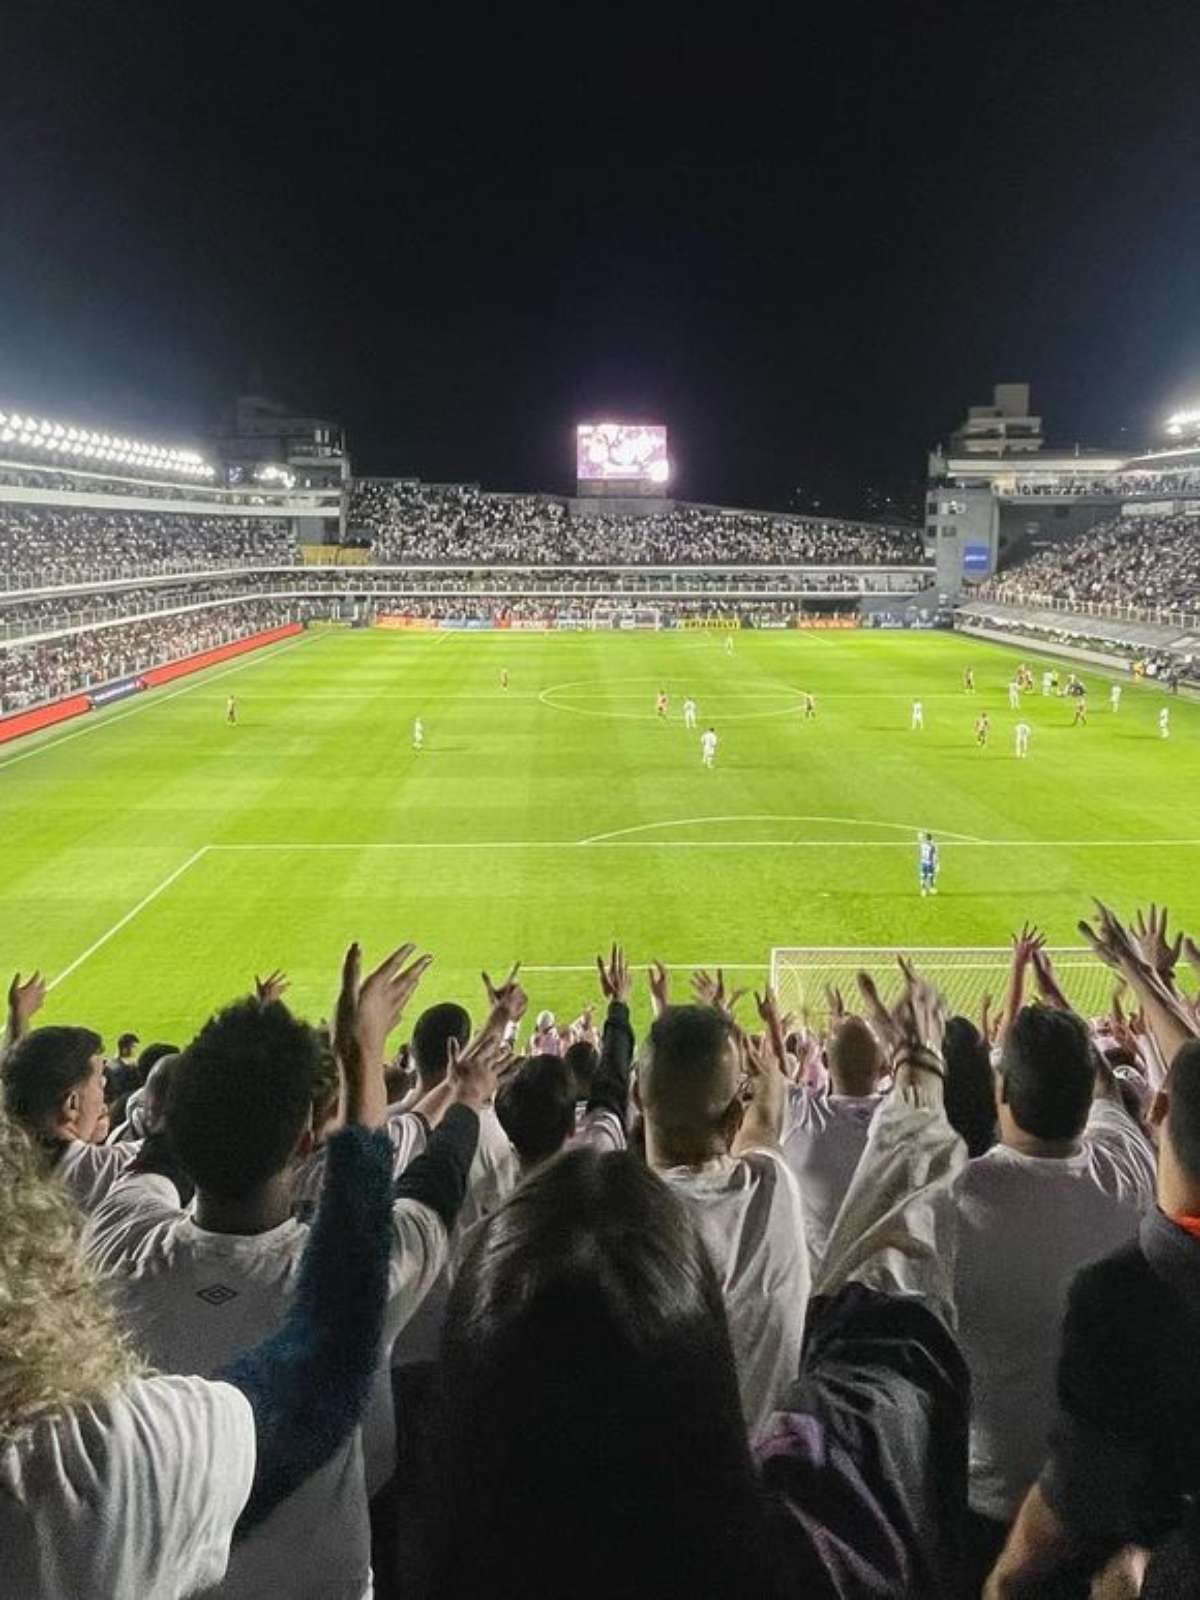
(621, 451)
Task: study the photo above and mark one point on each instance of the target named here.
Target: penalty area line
(123, 922)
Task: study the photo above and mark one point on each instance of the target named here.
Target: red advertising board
(19, 722)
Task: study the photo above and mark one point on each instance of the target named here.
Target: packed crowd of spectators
(49, 545)
(1132, 484)
(896, 1304)
(413, 522)
(51, 668)
(1148, 562)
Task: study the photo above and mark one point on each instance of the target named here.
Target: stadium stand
(1147, 562)
(856, 1408)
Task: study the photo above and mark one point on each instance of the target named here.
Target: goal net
(800, 975)
(626, 617)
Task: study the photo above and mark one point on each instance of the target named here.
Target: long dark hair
(591, 1435)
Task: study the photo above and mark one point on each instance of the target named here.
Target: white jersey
(1014, 696)
(918, 714)
(1164, 722)
(418, 734)
(1114, 697)
(1047, 683)
(689, 713)
(708, 748)
(1021, 734)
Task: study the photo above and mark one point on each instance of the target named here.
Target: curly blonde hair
(61, 1345)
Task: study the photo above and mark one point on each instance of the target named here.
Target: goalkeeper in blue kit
(927, 864)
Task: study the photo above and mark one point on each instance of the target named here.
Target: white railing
(1113, 611)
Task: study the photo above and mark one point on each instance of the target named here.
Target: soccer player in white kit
(418, 734)
(1014, 696)
(729, 645)
(689, 713)
(918, 714)
(1164, 723)
(708, 747)
(1047, 682)
(1114, 697)
(1021, 735)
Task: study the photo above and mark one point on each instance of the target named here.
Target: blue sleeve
(307, 1383)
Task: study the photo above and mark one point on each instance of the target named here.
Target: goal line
(964, 974)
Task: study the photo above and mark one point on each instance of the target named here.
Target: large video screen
(621, 451)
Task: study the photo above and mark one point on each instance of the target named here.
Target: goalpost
(800, 974)
(609, 616)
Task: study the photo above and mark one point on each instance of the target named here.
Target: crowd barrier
(22, 722)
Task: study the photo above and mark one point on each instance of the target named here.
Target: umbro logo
(217, 1294)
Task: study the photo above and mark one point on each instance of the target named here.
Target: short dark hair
(970, 1087)
(152, 1054)
(536, 1108)
(684, 1077)
(1183, 1108)
(126, 1041)
(435, 1028)
(581, 1060)
(241, 1095)
(1049, 1072)
(43, 1068)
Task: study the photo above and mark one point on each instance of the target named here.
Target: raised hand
(507, 997)
(1153, 944)
(836, 1006)
(367, 1011)
(1048, 986)
(878, 1015)
(710, 991)
(1027, 943)
(25, 1000)
(768, 1010)
(615, 982)
(660, 987)
(272, 987)
(473, 1071)
(920, 1016)
(763, 1092)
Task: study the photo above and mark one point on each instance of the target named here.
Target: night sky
(805, 253)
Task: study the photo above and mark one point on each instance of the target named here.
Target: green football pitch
(155, 858)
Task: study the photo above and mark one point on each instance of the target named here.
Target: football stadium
(601, 914)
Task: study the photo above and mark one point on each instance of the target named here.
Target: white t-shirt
(749, 1213)
(822, 1145)
(135, 1497)
(492, 1178)
(1026, 1224)
(407, 1135)
(88, 1171)
(194, 1300)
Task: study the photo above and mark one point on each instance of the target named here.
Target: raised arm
(307, 1384)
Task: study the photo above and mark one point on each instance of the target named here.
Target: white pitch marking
(123, 922)
(753, 816)
(257, 659)
(708, 844)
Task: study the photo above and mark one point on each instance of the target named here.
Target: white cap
(545, 1020)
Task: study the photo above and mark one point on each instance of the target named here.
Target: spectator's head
(1046, 1077)
(327, 1084)
(581, 1060)
(536, 1108)
(856, 1062)
(437, 1028)
(970, 1086)
(61, 1344)
(240, 1104)
(127, 1047)
(594, 1256)
(152, 1054)
(54, 1083)
(158, 1086)
(687, 1084)
(1178, 1112)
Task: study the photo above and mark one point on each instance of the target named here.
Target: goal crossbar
(800, 975)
